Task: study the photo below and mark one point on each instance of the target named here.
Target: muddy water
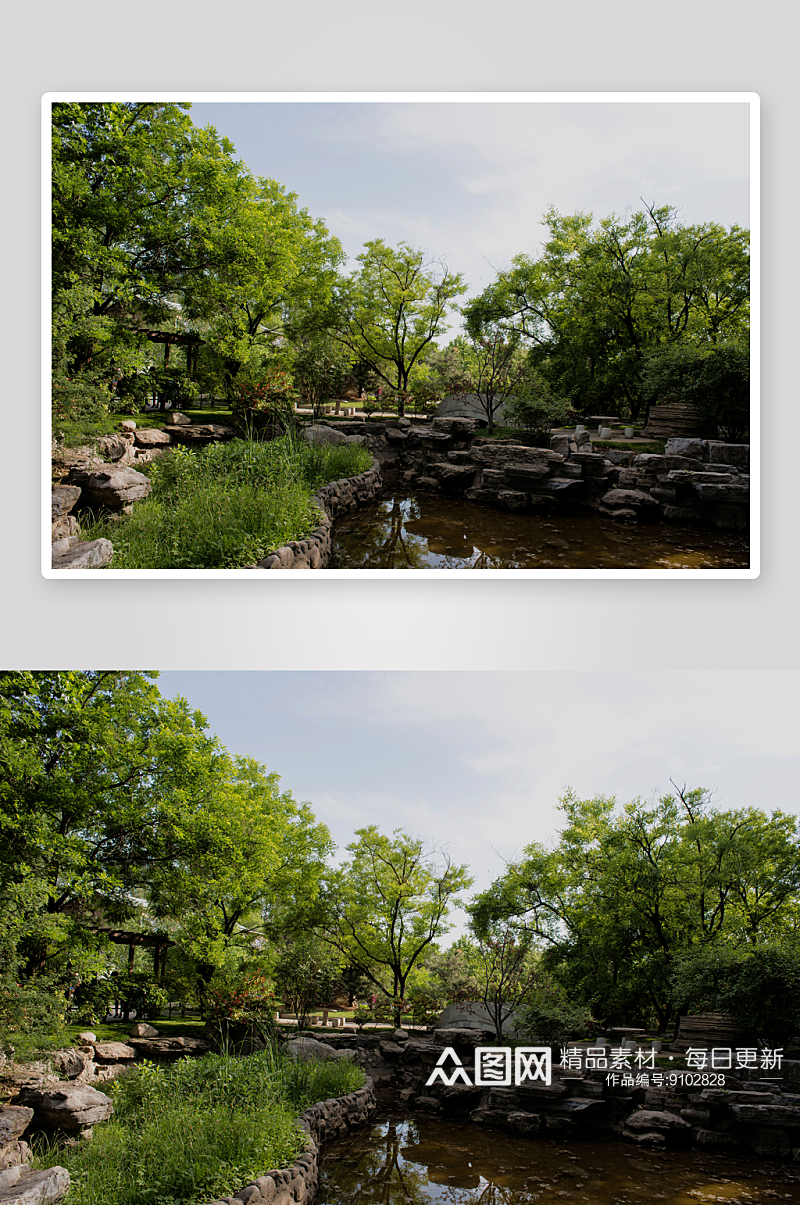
(427, 1160)
(428, 531)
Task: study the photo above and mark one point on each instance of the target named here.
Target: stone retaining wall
(314, 552)
(699, 482)
(754, 1113)
(297, 1185)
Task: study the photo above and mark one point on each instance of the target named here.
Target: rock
(22, 1186)
(321, 435)
(68, 1107)
(87, 1038)
(628, 498)
(75, 460)
(63, 529)
(116, 448)
(697, 449)
(203, 433)
(176, 419)
(527, 476)
(395, 435)
(71, 553)
(404, 422)
(473, 1015)
(400, 1035)
(391, 1050)
(14, 1121)
(113, 488)
(143, 1030)
(149, 437)
(722, 453)
(456, 428)
(453, 478)
(127, 424)
(113, 1052)
(310, 1048)
(513, 500)
(68, 1064)
(525, 1123)
(13, 1153)
(428, 483)
(772, 1143)
(654, 463)
(64, 499)
(655, 1119)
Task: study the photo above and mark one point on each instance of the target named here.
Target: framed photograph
(442, 334)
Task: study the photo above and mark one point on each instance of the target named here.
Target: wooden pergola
(190, 340)
(159, 943)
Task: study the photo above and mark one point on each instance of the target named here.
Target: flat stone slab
(23, 1186)
(72, 553)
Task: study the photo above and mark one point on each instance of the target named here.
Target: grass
(28, 1047)
(199, 1129)
(656, 445)
(225, 506)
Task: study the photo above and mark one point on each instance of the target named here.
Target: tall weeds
(226, 506)
(200, 1129)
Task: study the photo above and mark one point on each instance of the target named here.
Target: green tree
(598, 300)
(307, 972)
(158, 229)
(714, 377)
(387, 905)
(627, 892)
(96, 773)
(759, 985)
(393, 308)
(252, 847)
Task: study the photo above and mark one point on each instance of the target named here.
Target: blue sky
(476, 761)
(471, 181)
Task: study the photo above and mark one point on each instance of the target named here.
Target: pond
(427, 1160)
(428, 531)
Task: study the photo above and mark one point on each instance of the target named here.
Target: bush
(549, 1015)
(760, 987)
(38, 1006)
(715, 378)
(537, 412)
(263, 400)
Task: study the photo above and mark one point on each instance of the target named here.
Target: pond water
(428, 1160)
(429, 531)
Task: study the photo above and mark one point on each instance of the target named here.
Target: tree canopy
(628, 891)
(384, 908)
(600, 298)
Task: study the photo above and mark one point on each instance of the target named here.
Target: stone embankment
(697, 481)
(757, 1112)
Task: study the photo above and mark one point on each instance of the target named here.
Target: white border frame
(750, 98)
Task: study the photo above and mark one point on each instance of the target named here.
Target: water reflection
(428, 531)
(429, 1159)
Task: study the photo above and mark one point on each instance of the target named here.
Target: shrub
(759, 986)
(35, 1007)
(549, 1015)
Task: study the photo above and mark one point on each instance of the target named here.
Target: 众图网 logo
(493, 1067)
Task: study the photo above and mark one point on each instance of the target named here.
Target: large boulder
(117, 448)
(203, 433)
(113, 1052)
(322, 436)
(310, 1048)
(473, 1015)
(67, 1107)
(114, 488)
(149, 437)
(71, 553)
(143, 1030)
(22, 1186)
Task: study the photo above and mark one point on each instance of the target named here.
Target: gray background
(365, 46)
